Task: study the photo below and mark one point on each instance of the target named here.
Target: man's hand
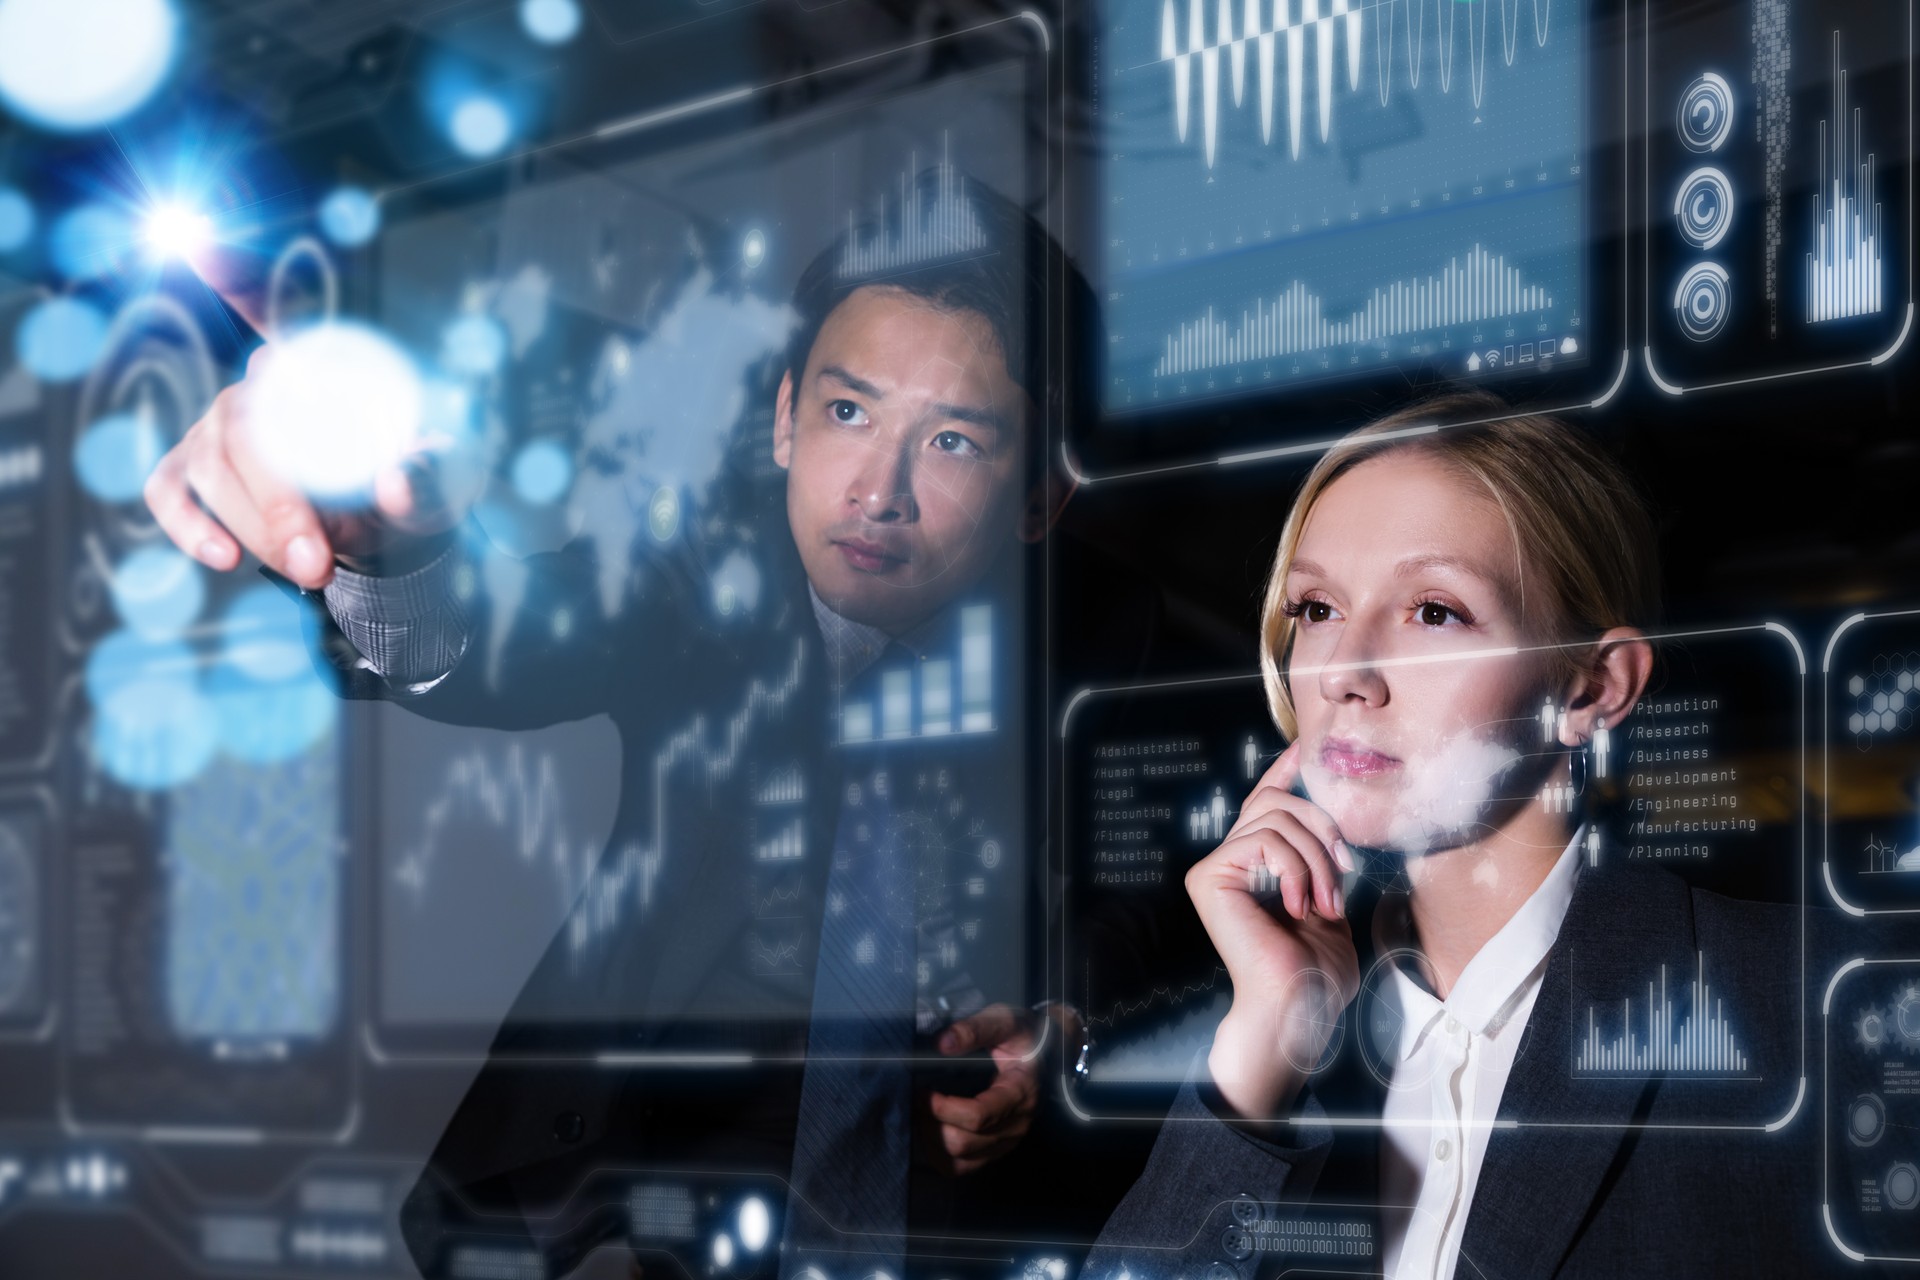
(215, 495)
(976, 1131)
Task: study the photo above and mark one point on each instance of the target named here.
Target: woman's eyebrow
(1501, 582)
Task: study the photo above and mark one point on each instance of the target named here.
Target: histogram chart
(1845, 268)
(1698, 1042)
(914, 226)
(1326, 189)
(1481, 288)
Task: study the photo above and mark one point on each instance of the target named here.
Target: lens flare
(177, 231)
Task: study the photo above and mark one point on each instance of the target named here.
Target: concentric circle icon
(1702, 302)
(1704, 207)
(1706, 113)
(1866, 1120)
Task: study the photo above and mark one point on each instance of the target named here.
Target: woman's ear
(1610, 682)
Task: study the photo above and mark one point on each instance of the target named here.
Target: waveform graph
(1410, 41)
(1846, 267)
(1693, 1038)
(1472, 287)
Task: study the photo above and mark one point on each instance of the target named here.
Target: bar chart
(1699, 1042)
(938, 696)
(1474, 286)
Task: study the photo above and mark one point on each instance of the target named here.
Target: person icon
(1250, 756)
(1547, 719)
(1219, 814)
(1593, 846)
(1602, 745)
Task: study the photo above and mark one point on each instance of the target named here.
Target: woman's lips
(868, 557)
(1354, 760)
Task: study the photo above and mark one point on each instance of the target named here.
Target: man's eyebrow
(860, 385)
(992, 419)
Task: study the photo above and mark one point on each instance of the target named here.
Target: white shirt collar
(1500, 973)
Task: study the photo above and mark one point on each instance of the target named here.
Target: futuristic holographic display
(792, 761)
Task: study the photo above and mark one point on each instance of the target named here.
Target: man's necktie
(847, 1205)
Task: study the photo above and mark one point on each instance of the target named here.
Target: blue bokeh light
(267, 722)
(72, 65)
(263, 638)
(550, 21)
(93, 241)
(542, 472)
(16, 220)
(60, 339)
(350, 217)
(155, 733)
(473, 346)
(114, 456)
(480, 126)
(158, 592)
(125, 657)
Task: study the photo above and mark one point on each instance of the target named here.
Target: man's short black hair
(1003, 266)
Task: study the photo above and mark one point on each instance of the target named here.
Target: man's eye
(846, 412)
(954, 442)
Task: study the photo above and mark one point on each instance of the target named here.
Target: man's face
(903, 444)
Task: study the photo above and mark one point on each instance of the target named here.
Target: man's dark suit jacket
(1587, 1181)
(512, 1165)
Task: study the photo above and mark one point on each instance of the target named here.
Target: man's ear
(1045, 501)
(783, 422)
(1609, 684)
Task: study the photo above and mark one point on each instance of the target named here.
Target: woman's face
(1417, 731)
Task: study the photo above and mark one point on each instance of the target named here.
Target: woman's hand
(1293, 969)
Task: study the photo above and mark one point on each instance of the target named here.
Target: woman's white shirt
(1454, 1056)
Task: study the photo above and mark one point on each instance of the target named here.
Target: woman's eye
(1316, 610)
(954, 442)
(846, 412)
(1435, 614)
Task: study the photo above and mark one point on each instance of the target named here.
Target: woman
(1452, 617)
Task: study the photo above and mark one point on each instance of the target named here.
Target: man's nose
(883, 486)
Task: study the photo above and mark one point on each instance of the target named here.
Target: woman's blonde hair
(1583, 536)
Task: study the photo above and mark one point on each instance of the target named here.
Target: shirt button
(1442, 1149)
(1454, 1028)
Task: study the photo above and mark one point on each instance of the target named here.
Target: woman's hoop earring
(1578, 768)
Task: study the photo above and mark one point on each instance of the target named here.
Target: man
(910, 424)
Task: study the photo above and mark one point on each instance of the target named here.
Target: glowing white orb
(723, 1251)
(756, 1224)
(350, 216)
(335, 406)
(176, 231)
(81, 64)
(480, 126)
(753, 249)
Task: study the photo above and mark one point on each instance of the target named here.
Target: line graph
(1481, 287)
(520, 795)
(1262, 31)
(1699, 1043)
(1844, 268)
